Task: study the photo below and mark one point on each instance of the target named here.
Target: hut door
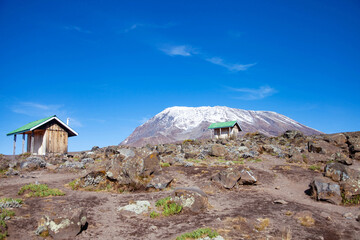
(56, 139)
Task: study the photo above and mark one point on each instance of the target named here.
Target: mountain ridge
(179, 123)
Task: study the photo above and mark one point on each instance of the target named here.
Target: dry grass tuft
(263, 224)
(306, 221)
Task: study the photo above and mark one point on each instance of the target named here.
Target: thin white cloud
(182, 50)
(139, 25)
(37, 109)
(229, 66)
(254, 94)
(77, 29)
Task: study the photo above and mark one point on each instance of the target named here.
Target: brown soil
(235, 214)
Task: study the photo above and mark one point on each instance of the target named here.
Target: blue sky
(110, 65)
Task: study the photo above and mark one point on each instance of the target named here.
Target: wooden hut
(47, 135)
(225, 129)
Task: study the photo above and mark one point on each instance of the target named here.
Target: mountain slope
(180, 123)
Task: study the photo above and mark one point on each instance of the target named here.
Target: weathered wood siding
(56, 139)
(39, 142)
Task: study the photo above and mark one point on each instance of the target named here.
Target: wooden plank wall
(57, 139)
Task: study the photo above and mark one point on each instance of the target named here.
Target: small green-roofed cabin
(225, 129)
(47, 135)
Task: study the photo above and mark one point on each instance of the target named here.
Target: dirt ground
(235, 214)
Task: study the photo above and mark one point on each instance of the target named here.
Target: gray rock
(191, 199)
(218, 150)
(127, 153)
(11, 172)
(188, 164)
(33, 163)
(324, 190)
(228, 178)
(160, 182)
(280, 201)
(247, 177)
(292, 134)
(138, 207)
(75, 165)
(243, 149)
(68, 226)
(87, 160)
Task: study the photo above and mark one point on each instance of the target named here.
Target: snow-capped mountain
(180, 123)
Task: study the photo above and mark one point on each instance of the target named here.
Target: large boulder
(191, 199)
(33, 163)
(292, 134)
(337, 172)
(324, 190)
(354, 144)
(228, 178)
(349, 179)
(161, 181)
(72, 222)
(247, 177)
(218, 150)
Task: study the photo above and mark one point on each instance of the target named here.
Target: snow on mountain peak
(179, 122)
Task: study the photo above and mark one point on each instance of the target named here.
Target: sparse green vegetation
(4, 214)
(239, 162)
(354, 200)
(162, 202)
(199, 233)
(5, 200)
(154, 214)
(74, 184)
(165, 164)
(315, 168)
(168, 206)
(255, 160)
(193, 160)
(40, 190)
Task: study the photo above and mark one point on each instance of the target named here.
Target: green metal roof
(222, 124)
(29, 126)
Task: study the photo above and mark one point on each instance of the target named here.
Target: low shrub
(39, 190)
(199, 233)
(4, 214)
(165, 164)
(168, 206)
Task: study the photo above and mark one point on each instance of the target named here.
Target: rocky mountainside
(180, 123)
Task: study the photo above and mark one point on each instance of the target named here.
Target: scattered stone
(218, 150)
(160, 182)
(280, 201)
(247, 177)
(74, 165)
(348, 215)
(66, 227)
(138, 207)
(326, 216)
(11, 172)
(277, 188)
(191, 199)
(33, 163)
(292, 134)
(189, 164)
(324, 190)
(126, 153)
(336, 171)
(153, 228)
(228, 178)
(87, 160)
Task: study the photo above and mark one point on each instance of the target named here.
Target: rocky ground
(254, 187)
